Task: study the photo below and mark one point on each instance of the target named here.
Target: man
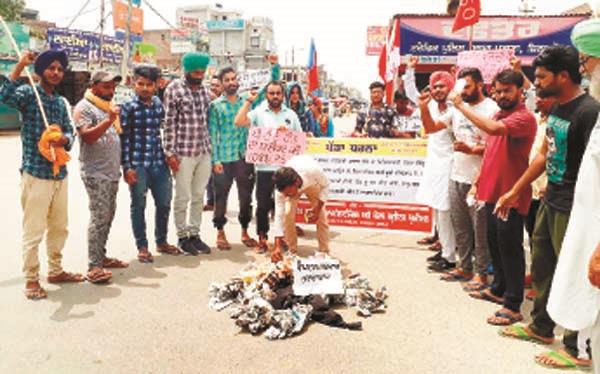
(277, 116)
(228, 155)
(404, 116)
(511, 133)
(300, 176)
(568, 129)
(97, 123)
(433, 188)
(43, 193)
(143, 161)
(188, 149)
(378, 120)
(574, 296)
(468, 221)
(215, 92)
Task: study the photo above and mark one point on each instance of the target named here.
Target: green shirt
(229, 141)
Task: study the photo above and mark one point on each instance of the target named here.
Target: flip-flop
(426, 241)
(145, 257)
(456, 276)
(509, 319)
(113, 263)
(37, 293)
(250, 242)
(223, 245)
(475, 286)
(484, 295)
(66, 277)
(98, 277)
(168, 249)
(520, 333)
(566, 361)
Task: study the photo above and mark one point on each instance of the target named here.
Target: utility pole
(100, 57)
(125, 61)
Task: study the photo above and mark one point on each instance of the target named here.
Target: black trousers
(243, 174)
(505, 241)
(264, 201)
(530, 220)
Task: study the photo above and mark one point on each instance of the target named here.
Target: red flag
(313, 70)
(467, 14)
(389, 62)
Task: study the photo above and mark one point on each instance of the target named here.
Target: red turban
(442, 76)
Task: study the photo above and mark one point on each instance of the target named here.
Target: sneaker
(435, 258)
(187, 245)
(200, 246)
(441, 266)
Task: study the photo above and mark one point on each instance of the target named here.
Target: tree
(11, 10)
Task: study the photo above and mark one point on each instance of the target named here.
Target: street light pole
(125, 61)
(100, 57)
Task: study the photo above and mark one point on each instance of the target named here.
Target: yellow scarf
(104, 106)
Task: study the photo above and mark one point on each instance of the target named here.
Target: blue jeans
(157, 179)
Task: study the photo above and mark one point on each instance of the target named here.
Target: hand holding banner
(268, 146)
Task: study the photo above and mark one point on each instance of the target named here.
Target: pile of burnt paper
(261, 300)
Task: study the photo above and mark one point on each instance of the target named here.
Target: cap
(105, 76)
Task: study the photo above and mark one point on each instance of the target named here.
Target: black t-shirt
(568, 130)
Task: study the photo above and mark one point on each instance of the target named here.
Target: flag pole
(470, 37)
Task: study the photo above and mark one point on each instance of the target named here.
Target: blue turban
(48, 57)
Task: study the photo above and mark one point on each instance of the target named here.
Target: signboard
(182, 41)
(144, 53)
(431, 37)
(373, 183)
(268, 146)
(230, 24)
(317, 276)
(20, 33)
(409, 123)
(254, 78)
(84, 46)
(188, 23)
(120, 14)
(489, 63)
(376, 38)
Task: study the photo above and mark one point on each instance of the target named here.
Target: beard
(595, 83)
(274, 103)
(470, 98)
(193, 81)
(548, 91)
(231, 90)
(506, 104)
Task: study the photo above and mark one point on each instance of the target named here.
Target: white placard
(317, 276)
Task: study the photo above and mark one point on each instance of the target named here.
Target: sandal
(261, 247)
(36, 293)
(435, 247)
(560, 359)
(427, 240)
(145, 257)
(66, 277)
(113, 263)
(223, 244)
(521, 332)
(504, 317)
(457, 275)
(486, 295)
(250, 242)
(98, 275)
(168, 249)
(473, 286)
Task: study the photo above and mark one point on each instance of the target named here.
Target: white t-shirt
(465, 167)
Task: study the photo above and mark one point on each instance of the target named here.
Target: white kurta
(574, 303)
(433, 190)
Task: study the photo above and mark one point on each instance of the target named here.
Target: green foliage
(11, 10)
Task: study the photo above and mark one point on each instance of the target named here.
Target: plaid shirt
(140, 139)
(23, 99)
(186, 128)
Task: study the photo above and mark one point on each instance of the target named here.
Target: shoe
(435, 258)
(200, 246)
(441, 266)
(187, 245)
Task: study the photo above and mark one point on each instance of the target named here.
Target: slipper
(562, 360)
(145, 257)
(37, 293)
(98, 276)
(474, 286)
(250, 242)
(501, 318)
(261, 248)
(223, 244)
(435, 247)
(456, 275)
(65, 277)
(427, 240)
(486, 295)
(168, 249)
(113, 263)
(521, 332)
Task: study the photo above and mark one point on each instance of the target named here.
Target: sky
(338, 27)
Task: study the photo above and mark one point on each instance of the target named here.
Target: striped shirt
(186, 126)
(23, 99)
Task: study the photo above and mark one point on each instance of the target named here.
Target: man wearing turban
(574, 299)
(188, 149)
(43, 185)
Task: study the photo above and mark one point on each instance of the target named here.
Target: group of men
(154, 144)
(478, 179)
